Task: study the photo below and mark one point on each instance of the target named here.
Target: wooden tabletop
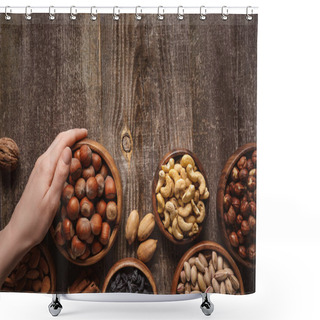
(141, 88)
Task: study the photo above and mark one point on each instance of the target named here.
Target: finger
(60, 176)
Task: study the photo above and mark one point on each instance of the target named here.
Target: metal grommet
(160, 15)
(116, 16)
(73, 13)
(249, 15)
(52, 12)
(138, 16)
(180, 13)
(224, 13)
(28, 13)
(93, 16)
(203, 13)
(7, 12)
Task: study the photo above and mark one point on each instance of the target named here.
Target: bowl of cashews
(180, 196)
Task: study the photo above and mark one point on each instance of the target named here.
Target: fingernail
(84, 129)
(66, 156)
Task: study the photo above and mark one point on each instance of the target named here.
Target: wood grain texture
(145, 86)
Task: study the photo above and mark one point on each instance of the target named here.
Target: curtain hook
(160, 15)
(203, 13)
(28, 13)
(73, 13)
(180, 13)
(7, 14)
(138, 16)
(116, 16)
(249, 15)
(224, 13)
(52, 12)
(93, 15)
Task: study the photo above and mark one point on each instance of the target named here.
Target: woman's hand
(39, 202)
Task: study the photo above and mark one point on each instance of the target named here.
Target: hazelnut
(83, 228)
(67, 229)
(88, 172)
(253, 172)
(250, 195)
(63, 212)
(105, 233)
(254, 157)
(58, 235)
(250, 165)
(96, 162)
(86, 207)
(77, 246)
(231, 215)
(85, 155)
(100, 181)
(96, 247)
(80, 188)
(252, 206)
(111, 211)
(109, 188)
(67, 193)
(104, 171)
(73, 208)
(227, 202)
(245, 227)
(239, 219)
(240, 237)
(243, 175)
(252, 222)
(231, 188)
(227, 189)
(77, 154)
(252, 252)
(233, 238)
(251, 183)
(71, 181)
(91, 238)
(101, 207)
(86, 254)
(75, 169)
(225, 217)
(236, 204)
(91, 188)
(242, 252)
(96, 224)
(244, 208)
(239, 189)
(235, 174)
(242, 163)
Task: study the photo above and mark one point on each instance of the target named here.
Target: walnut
(9, 154)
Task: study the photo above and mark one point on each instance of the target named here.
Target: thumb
(60, 176)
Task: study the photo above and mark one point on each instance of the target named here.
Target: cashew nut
(188, 182)
(175, 202)
(161, 203)
(171, 210)
(195, 208)
(187, 159)
(194, 230)
(180, 202)
(183, 174)
(166, 221)
(185, 211)
(189, 194)
(202, 182)
(166, 190)
(177, 233)
(179, 187)
(168, 166)
(184, 226)
(202, 210)
(197, 196)
(174, 174)
(191, 174)
(178, 167)
(170, 229)
(160, 181)
(205, 195)
(191, 219)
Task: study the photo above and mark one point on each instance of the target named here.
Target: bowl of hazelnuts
(236, 204)
(89, 216)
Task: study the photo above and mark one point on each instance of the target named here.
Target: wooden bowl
(125, 263)
(177, 153)
(104, 154)
(232, 161)
(203, 247)
(52, 268)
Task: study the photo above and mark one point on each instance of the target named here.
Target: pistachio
(206, 277)
(234, 282)
(211, 271)
(187, 288)
(132, 226)
(228, 285)
(222, 288)
(220, 263)
(199, 265)
(202, 284)
(195, 291)
(183, 276)
(192, 261)
(187, 270)
(194, 274)
(215, 285)
(146, 227)
(214, 260)
(180, 288)
(228, 271)
(221, 275)
(195, 286)
(209, 290)
(203, 259)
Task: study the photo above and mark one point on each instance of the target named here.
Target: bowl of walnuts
(180, 196)
(88, 220)
(236, 204)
